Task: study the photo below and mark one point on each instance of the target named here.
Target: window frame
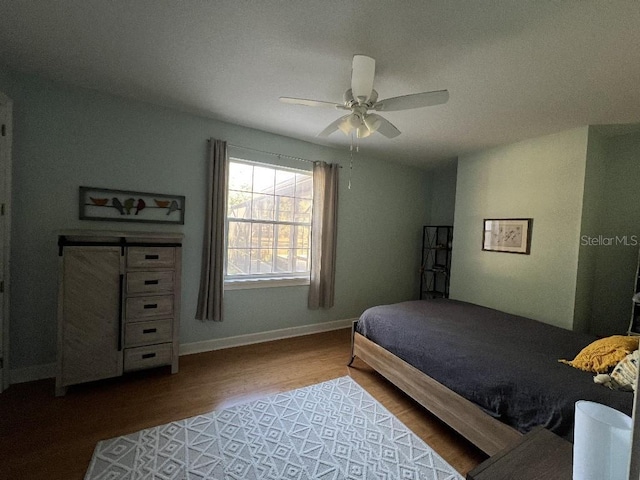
(278, 279)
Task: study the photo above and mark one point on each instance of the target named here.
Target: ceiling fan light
(354, 121)
(363, 132)
(345, 126)
(373, 122)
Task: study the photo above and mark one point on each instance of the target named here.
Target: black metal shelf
(432, 294)
(436, 261)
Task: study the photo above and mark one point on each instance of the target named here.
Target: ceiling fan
(361, 98)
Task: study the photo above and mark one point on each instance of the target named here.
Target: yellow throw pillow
(601, 355)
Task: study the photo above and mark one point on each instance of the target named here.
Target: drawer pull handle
(151, 257)
(150, 330)
(151, 282)
(148, 355)
(151, 305)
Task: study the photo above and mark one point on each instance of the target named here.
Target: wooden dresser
(118, 303)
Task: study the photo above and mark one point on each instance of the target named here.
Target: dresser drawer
(147, 357)
(142, 308)
(147, 333)
(149, 257)
(149, 282)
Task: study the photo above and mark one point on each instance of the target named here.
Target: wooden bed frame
(485, 432)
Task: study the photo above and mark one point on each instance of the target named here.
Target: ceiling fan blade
(363, 69)
(416, 100)
(333, 126)
(310, 103)
(385, 127)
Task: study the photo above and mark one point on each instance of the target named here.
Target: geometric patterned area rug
(331, 430)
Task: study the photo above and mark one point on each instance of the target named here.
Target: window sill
(245, 284)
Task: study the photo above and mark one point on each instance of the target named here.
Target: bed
(490, 375)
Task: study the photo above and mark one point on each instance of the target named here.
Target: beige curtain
(323, 235)
(212, 275)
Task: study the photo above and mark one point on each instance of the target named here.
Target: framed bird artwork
(105, 204)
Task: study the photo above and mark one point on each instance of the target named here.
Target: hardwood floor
(43, 437)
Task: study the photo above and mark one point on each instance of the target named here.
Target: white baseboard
(31, 374)
(39, 372)
(248, 339)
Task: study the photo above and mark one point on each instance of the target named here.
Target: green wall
(443, 193)
(616, 259)
(593, 192)
(581, 189)
(65, 137)
(542, 179)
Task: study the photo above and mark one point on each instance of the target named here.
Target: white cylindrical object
(601, 442)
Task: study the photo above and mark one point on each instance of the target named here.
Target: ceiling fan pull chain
(350, 160)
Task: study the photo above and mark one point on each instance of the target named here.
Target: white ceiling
(515, 69)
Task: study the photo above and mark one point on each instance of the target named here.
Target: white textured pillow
(624, 374)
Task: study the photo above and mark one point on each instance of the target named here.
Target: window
(268, 222)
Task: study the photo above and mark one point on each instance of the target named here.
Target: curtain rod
(280, 155)
(271, 153)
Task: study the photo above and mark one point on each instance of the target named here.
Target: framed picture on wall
(126, 206)
(509, 235)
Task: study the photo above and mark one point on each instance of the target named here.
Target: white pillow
(624, 374)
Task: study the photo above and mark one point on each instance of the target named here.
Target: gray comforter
(506, 364)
